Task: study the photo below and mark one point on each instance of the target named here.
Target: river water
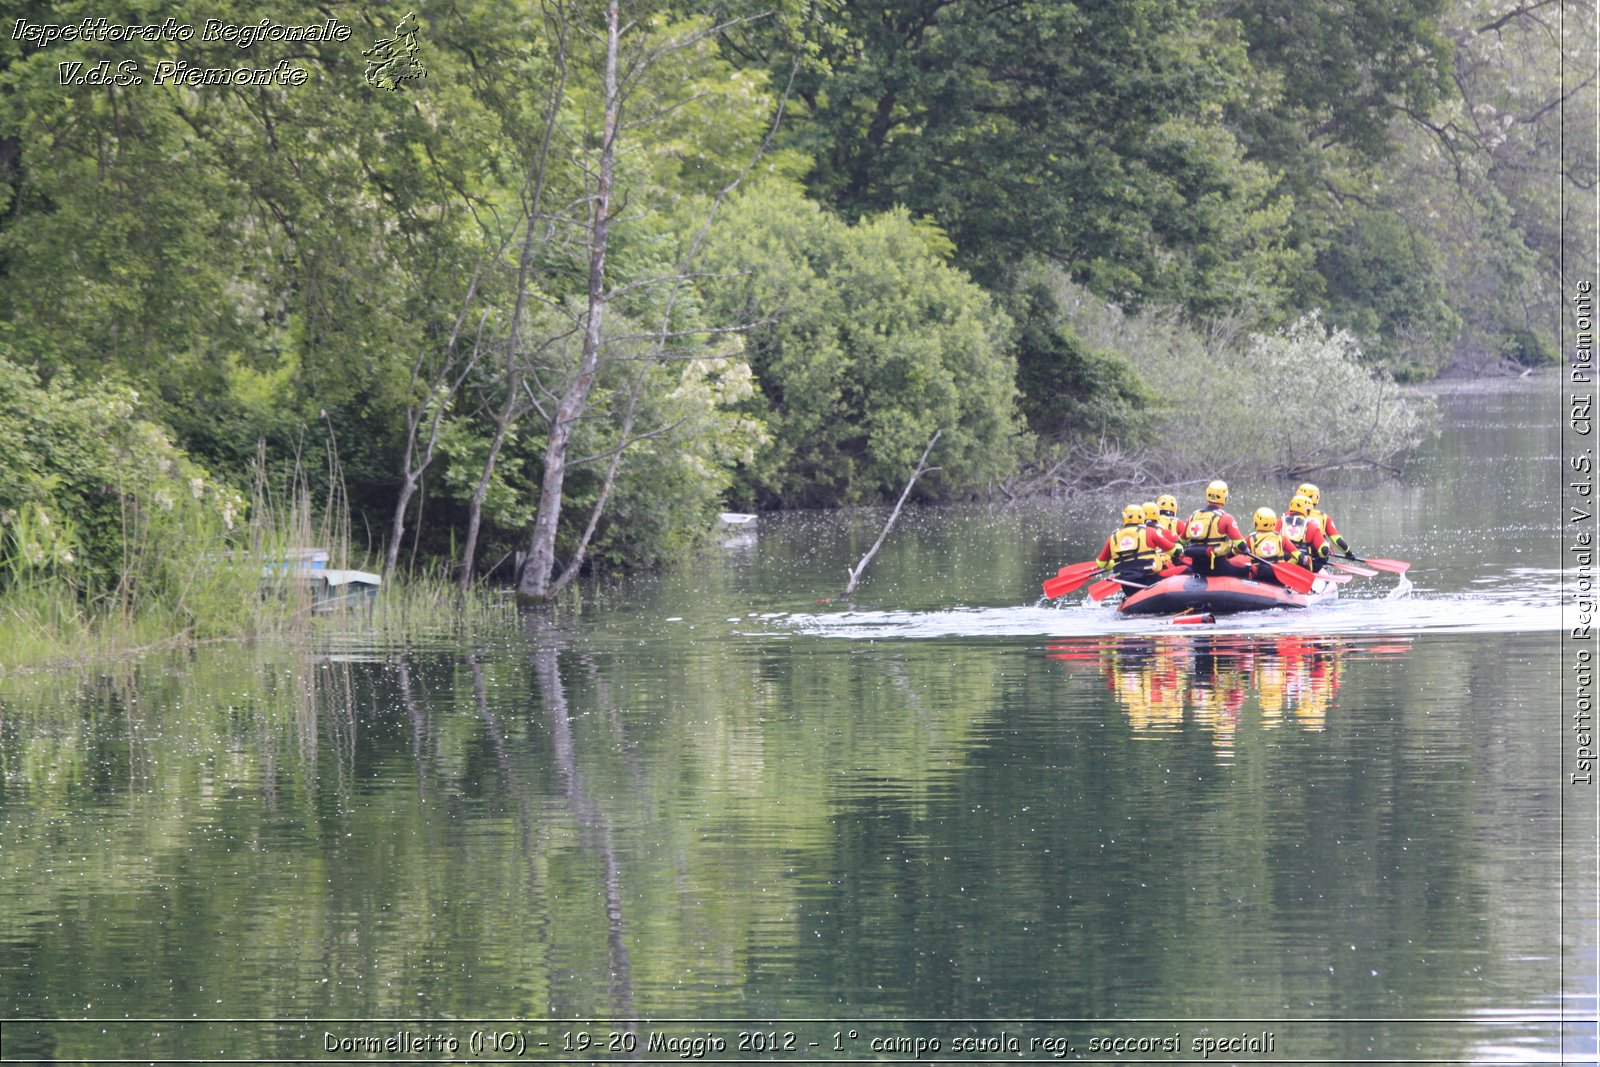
(724, 814)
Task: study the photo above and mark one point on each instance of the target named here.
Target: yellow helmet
(1310, 492)
(1151, 512)
(1217, 492)
(1266, 520)
(1300, 505)
(1167, 504)
(1133, 514)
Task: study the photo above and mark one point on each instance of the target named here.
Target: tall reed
(208, 567)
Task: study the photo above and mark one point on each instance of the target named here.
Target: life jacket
(1129, 543)
(1205, 529)
(1297, 529)
(1334, 538)
(1163, 558)
(1269, 545)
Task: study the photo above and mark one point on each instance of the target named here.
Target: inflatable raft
(1220, 595)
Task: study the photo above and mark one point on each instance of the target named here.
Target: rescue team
(1153, 543)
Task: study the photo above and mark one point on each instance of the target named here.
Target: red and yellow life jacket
(1269, 545)
(1129, 543)
(1205, 531)
(1329, 530)
(1296, 527)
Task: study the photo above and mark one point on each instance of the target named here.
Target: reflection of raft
(1219, 595)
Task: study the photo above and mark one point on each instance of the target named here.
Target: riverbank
(51, 628)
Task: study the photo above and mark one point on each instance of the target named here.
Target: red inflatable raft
(1219, 595)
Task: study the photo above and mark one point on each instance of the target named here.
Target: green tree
(1088, 133)
(1069, 389)
(865, 341)
(1385, 282)
(1334, 75)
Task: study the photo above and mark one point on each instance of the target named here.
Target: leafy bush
(1239, 401)
(1300, 399)
(1070, 390)
(98, 500)
(864, 341)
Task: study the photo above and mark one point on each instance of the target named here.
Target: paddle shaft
(1101, 590)
(1292, 575)
(1393, 566)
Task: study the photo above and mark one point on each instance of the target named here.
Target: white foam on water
(1515, 603)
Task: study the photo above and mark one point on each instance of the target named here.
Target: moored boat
(1219, 595)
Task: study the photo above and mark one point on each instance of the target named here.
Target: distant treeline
(543, 286)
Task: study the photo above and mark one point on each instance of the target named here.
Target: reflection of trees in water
(516, 779)
(1164, 682)
(595, 830)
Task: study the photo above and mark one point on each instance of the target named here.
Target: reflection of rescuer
(1135, 551)
(1268, 546)
(1304, 533)
(1211, 534)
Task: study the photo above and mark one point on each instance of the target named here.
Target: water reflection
(1215, 682)
(595, 830)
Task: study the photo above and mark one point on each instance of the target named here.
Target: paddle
(1291, 575)
(1070, 577)
(1393, 566)
(1365, 572)
(1101, 590)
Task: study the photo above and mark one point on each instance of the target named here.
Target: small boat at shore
(1219, 595)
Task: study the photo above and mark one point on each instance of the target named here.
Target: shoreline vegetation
(590, 273)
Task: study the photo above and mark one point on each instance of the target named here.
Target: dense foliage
(865, 341)
(96, 499)
(610, 266)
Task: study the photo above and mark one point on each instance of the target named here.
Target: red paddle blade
(1101, 590)
(1336, 579)
(1054, 587)
(1070, 577)
(1365, 572)
(1393, 566)
(1295, 577)
(1186, 620)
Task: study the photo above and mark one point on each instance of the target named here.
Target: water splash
(1524, 601)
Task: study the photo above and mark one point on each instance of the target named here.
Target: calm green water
(720, 805)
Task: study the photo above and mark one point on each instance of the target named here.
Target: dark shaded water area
(723, 805)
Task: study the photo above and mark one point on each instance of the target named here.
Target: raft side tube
(1217, 594)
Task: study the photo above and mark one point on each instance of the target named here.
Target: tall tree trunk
(512, 408)
(397, 528)
(539, 569)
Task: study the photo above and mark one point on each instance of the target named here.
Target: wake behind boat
(1219, 595)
